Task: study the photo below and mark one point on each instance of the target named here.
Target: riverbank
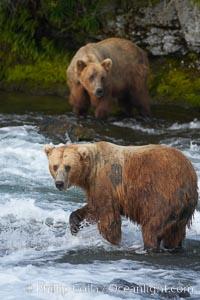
(39, 38)
(174, 81)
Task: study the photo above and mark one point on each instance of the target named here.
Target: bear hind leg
(125, 105)
(151, 238)
(141, 101)
(174, 237)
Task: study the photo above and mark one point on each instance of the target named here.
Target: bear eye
(55, 168)
(102, 78)
(67, 168)
(91, 77)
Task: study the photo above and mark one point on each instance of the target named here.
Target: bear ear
(48, 149)
(83, 152)
(107, 64)
(80, 65)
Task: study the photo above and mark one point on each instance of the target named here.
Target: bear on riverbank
(111, 69)
(155, 186)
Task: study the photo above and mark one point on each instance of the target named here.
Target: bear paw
(74, 222)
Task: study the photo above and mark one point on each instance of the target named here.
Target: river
(39, 258)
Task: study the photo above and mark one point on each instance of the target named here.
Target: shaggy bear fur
(100, 72)
(155, 186)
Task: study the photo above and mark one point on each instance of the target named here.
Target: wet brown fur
(155, 186)
(124, 78)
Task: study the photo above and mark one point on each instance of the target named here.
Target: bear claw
(74, 221)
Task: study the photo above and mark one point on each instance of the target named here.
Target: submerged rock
(64, 129)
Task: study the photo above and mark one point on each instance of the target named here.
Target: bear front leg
(76, 217)
(110, 228)
(106, 204)
(102, 110)
(79, 100)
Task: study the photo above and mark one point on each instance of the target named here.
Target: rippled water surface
(39, 258)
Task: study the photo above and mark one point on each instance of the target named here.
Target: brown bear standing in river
(112, 68)
(155, 186)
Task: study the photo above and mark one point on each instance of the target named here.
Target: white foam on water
(195, 124)
(194, 231)
(136, 126)
(22, 156)
(30, 227)
(28, 245)
(193, 153)
(86, 281)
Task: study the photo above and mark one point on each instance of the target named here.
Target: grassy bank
(172, 81)
(44, 75)
(176, 80)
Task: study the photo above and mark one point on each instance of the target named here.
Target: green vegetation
(196, 2)
(37, 38)
(35, 27)
(180, 84)
(177, 81)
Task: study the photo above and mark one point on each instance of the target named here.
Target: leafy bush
(35, 27)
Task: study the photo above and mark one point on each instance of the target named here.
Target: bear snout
(59, 185)
(99, 92)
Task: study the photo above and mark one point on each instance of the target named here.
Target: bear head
(93, 76)
(68, 165)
